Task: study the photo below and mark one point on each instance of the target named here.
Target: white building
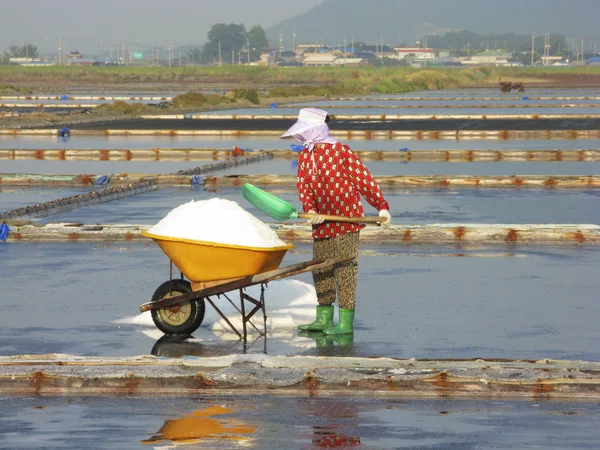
(321, 60)
(486, 60)
(421, 54)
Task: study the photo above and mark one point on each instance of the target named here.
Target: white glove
(316, 219)
(388, 218)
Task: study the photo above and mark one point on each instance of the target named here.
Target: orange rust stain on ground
(444, 183)
(460, 232)
(407, 236)
(132, 382)
(557, 155)
(572, 134)
(311, 383)
(435, 135)
(518, 182)
(391, 384)
(74, 236)
(86, 180)
(62, 155)
(535, 116)
(504, 135)
(578, 236)
(39, 154)
(530, 156)
(203, 382)
(38, 380)
(420, 135)
(550, 183)
(542, 390)
(447, 158)
(18, 236)
(442, 382)
(470, 156)
(369, 135)
(512, 236)
(128, 236)
(104, 155)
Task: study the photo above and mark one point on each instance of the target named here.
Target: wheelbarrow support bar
(245, 282)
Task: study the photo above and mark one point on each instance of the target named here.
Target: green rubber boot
(324, 319)
(345, 324)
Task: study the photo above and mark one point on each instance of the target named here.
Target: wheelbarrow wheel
(184, 318)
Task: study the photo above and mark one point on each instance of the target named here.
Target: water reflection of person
(335, 432)
(331, 180)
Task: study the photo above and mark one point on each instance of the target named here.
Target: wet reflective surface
(423, 302)
(296, 423)
(289, 167)
(433, 302)
(407, 206)
(274, 143)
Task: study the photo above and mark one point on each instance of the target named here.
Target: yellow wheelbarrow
(211, 269)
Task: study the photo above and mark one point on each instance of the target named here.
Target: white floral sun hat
(307, 119)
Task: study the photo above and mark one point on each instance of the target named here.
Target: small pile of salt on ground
(217, 220)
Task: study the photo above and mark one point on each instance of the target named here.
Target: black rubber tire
(184, 318)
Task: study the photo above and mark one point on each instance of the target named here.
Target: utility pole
(247, 48)
(532, 46)
(280, 43)
(45, 59)
(293, 39)
(220, 60)
(345, 51)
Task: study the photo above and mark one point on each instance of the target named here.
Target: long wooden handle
(375, 219)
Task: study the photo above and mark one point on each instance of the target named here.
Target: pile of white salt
(217, 220)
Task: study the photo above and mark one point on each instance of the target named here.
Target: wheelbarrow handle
(374, 219)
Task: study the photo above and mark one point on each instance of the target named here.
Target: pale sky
(88, 24)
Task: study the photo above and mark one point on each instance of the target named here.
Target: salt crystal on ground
(217, 220)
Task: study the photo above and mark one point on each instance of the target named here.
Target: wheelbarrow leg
(262, 305)
(243, 313)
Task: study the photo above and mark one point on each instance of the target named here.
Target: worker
(331, 179)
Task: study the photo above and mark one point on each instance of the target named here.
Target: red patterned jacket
(331, 180)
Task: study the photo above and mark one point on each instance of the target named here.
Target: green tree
(228, 38)
(257, 41)
(26, 51)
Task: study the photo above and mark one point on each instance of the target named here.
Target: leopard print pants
(340, 278)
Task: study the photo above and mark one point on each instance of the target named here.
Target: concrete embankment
(299, 375)
(509, 235)
(586, 182)
(404, 155)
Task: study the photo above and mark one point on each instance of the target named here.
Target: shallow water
(419, 301)
(298, 423)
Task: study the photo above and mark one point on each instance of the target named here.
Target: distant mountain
(402, 21)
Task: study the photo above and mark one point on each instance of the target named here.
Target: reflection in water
(180, 346)
(200, 425)
(326, 345)
(344, 418)
(330, 437)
